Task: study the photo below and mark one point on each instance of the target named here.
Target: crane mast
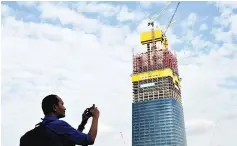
(151, 23)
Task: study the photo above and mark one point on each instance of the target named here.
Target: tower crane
(172, 17)
(157, 35)
(153, 43)
(151, 23)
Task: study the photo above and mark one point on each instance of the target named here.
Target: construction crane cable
(172, 17)
(158, 15)
(151, 22)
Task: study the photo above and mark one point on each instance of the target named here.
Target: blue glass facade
(158, 122)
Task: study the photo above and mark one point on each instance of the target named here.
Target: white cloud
(143, 26)
(221, 35)
(27, 3)
(4, 10)
(113, 35)
(101, 8)
(223, 22)
(199, 126)
(226, 13)
(226, 4)
(187, 24)
(192, 18)
(69, 16)
(234, 24)
(123, 12)
(203, 27)
(128, 15)
(173, 39)
(147, 4)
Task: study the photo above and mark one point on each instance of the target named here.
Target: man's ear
(54, 107)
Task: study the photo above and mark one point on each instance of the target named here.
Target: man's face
(60, 109)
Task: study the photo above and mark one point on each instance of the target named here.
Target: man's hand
(85, 117)
(95, 112)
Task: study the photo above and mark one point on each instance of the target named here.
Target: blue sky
(82, 51)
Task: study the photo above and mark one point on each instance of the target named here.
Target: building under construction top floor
(155, 73)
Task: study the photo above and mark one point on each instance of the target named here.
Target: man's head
(53, 105)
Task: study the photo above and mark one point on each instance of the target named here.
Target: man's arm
(94, 125)
(81, 127)
(77, 137)
(93, 129)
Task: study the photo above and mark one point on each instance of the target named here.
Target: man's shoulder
(58, 121)
(62, 122)
(59, 125)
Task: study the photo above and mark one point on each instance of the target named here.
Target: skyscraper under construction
(157, 112)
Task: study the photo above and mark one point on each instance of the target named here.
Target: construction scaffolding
(155, 60)
(157, 88)
(157, 80)
(155, 72)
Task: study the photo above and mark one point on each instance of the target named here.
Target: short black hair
(48, 102)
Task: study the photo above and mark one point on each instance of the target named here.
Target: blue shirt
(61, 127)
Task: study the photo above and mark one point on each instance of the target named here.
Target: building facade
(158, 123)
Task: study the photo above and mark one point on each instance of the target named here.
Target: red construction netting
(158, 60)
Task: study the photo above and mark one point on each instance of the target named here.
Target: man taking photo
(60, 132)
